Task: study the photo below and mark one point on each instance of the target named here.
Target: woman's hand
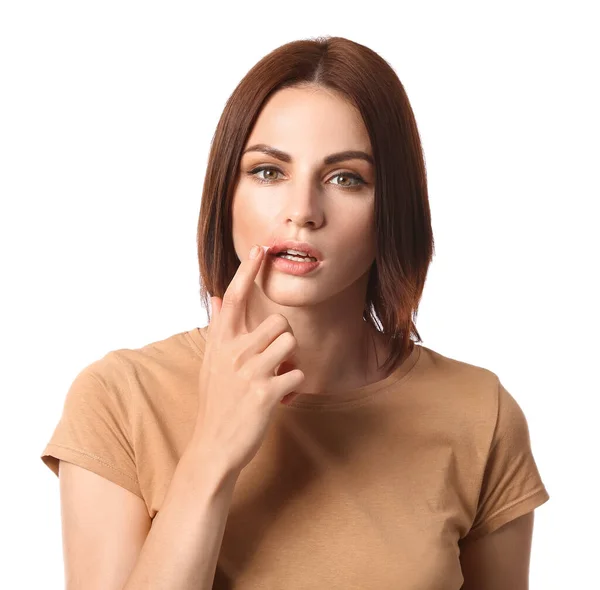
(239, 385)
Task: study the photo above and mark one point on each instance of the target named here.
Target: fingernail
(254, 252)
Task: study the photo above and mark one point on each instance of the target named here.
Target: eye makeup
(351, 175)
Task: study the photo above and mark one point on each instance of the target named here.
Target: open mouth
(294, 257)
(293, 264)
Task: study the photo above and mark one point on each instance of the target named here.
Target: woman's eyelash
(346, 174)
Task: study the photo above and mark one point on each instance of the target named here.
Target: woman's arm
(499, 560)
(183, 545)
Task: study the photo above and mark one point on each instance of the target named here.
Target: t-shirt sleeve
(511, 485)
(94, 430)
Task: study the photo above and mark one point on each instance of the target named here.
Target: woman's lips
(292, 266)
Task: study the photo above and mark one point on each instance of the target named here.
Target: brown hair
(404, 237)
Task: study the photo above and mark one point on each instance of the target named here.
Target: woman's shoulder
(185, 345)
(173, 356)
(450, 373)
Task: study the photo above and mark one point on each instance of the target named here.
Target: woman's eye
(264, 169)
(348, 175)
(345, 176)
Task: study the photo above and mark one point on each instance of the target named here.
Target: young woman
(304, 437)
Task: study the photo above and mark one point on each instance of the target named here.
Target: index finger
(233, 309)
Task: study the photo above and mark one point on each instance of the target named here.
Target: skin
(306, 200)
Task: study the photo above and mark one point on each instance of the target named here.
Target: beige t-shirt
(372, 488)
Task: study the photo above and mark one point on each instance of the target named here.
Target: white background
(106, 116)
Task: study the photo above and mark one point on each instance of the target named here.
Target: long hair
(404, 237)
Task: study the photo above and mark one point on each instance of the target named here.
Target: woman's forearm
(182, 547)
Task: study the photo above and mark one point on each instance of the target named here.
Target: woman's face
(329, 206)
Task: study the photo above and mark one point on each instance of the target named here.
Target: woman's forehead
(298, 122)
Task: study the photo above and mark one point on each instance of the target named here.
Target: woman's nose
(303, 203)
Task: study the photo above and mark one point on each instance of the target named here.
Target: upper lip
(278, 246)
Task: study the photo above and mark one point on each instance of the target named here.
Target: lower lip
(292, 267)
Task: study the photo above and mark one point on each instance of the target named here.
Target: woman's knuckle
(279, 321)
(288, 339)
(261, 390)
(246, 373)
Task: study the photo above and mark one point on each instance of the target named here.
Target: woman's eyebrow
(331, 159)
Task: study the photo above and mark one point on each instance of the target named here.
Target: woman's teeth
(298, 258)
